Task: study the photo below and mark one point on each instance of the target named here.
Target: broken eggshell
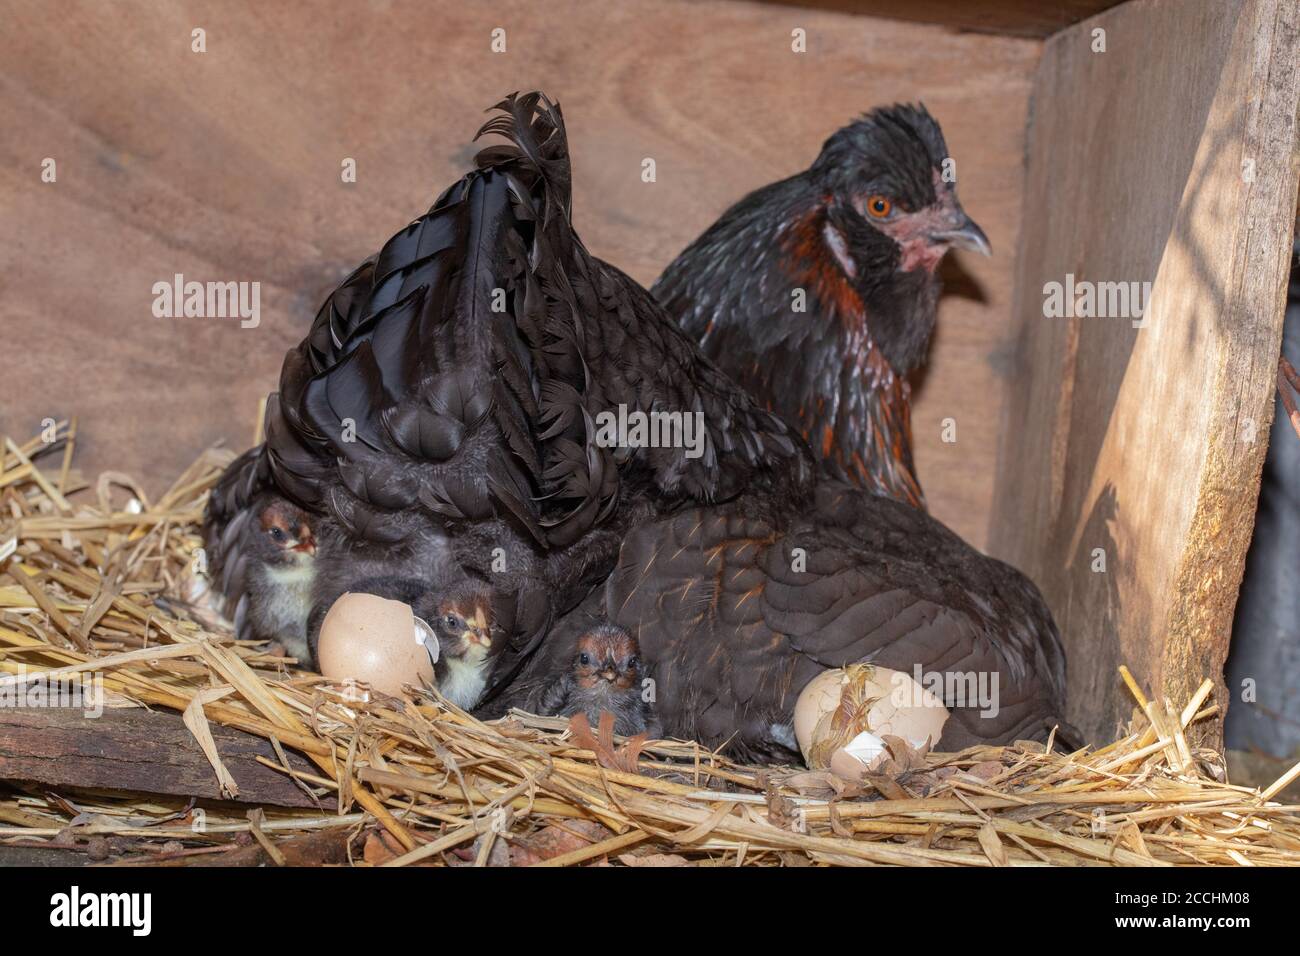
(842, 716)
(368, 638)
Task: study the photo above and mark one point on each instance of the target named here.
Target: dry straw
(418, 782)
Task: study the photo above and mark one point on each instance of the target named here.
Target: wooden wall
(226, 166)
(1169, 158)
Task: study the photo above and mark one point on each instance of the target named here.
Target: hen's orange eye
(879, 206)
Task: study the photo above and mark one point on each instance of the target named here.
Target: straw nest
(412, 780)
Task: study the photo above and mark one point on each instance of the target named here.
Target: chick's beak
(480, 632)
(962, 232)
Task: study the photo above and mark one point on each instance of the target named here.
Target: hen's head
(891, 195)
(607, 658)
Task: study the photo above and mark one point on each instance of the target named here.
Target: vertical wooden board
(1169, 158)
(225, 166)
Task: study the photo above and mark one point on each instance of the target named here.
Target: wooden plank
(226, 165)
(326, 848)
(323, 848)
(1147, 443)
(139, 751)
(1028, 18)
(26, 856)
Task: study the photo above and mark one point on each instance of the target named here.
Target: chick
(462, 619)
(281, 554)
(605, 674)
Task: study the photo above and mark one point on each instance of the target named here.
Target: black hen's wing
(738, 607)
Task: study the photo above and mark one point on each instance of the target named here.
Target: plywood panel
(1171, 159)
(226, 166)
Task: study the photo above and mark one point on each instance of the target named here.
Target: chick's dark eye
(879, 206)
(451, 621)
(584, 659)
(633, 663)
(277, 534)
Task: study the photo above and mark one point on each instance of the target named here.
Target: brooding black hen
(738, 604)
(441, 416)
(818, 293)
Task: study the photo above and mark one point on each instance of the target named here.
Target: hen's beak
(963, 233)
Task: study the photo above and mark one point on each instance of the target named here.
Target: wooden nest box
(1146, 151)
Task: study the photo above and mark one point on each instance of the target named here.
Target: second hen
(819, 293)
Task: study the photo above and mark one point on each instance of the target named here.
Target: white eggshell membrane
(425, 637)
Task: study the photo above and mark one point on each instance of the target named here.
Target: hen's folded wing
(736, 612)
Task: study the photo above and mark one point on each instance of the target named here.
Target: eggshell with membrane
(842, 714)
(381, 642)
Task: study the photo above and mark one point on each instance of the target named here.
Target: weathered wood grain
(226, 166)
(139, 750)
(325, 848)
(25, 856)
(1170, 158)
